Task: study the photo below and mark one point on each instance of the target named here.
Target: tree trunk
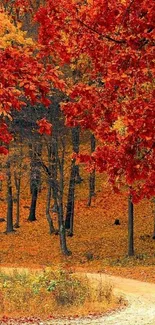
(35, 153)
(32, 215)
(70, 201)
(92, 174)
(130, 227)
(57, 194)
(48, 216)
(58, 189)
(35, 179)
(31, 165)
(17, 209)
(54, 163)
(9, 226)
(76, 144)
(17, 180)
(62, 231)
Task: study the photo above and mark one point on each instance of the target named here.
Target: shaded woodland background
(97, 240)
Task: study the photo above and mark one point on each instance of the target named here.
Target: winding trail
(140, 309)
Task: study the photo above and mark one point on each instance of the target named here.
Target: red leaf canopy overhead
(116, 102)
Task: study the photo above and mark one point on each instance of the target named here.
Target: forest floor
(97, 245)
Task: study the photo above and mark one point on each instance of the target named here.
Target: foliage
(44, 127)
(11, 35)
(112, 46)
(24, 77)
(117, 40)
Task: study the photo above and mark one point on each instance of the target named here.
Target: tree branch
(109, 38)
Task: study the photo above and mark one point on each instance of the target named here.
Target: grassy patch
(55, 293)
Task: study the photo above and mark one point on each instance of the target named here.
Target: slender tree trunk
(92, 174)
(69, 221)
(55, 172)
(32, 215)
(35, 180)
(17, 206)
(34, 153)
(9, 226)
(54, 163)
(130, 227)
(18, 209)
(76, 144)
(17, 178)
(59, 206)
(62, 231)
(31, 166)
(57, 189)
(52, 168)
(48, 216)
(61, 222)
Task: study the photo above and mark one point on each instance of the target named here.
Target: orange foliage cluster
(97, 245)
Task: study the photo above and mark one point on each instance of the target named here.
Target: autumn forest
(77, 150)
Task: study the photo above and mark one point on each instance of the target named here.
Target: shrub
(69, 290)
(46, 293)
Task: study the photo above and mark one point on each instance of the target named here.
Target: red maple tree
(117, 101)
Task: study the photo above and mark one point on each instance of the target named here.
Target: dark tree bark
(62, 231)
(76, 144)
(55, 119)
(60, 207)
(17, 178)
(130, 227)
(48, 216)
(92, 174)
(35, 150)
(17, 184)
(54, 162)
(35, 179)
(9, 226)
(52, 150)
(57, 188)
(55, 170)
(31, 153)
(32, 215)
(70, 201)
(75, 178)
(58, 198)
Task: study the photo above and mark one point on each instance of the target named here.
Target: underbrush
(53, 293)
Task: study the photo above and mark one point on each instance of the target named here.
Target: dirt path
(140, 309)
